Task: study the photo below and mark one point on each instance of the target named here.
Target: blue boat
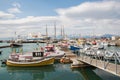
(74, 48)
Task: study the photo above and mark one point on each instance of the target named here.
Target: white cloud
(87, 18)
(4, 15)
(29, 24)
(31, 20)
(15, 4)
(15, 8)
(94, 10)
(100, 17)
(9, 15)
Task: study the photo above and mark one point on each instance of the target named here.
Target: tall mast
(46, 31)
(15, 36)
(55, 30)
(61, 32)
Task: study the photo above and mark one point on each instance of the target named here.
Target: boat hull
(74, 48)
(56, 55)
(16, 45)
(33, 63)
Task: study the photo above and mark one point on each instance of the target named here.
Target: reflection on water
(88, 73)
(54, 72)
(29, 73)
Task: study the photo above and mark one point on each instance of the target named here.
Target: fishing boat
(52, 51)
(63, 44)
(16, 45)
(74, 45)
(35, 58)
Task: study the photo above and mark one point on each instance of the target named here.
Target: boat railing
(102, 54)
(101, 58)
(117, 56)
(27, 60)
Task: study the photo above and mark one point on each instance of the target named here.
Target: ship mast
(61, 32)
(55, 30)
(46, 31)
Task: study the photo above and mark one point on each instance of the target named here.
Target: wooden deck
(106, 66)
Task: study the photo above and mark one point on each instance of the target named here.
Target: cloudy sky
(85, 17)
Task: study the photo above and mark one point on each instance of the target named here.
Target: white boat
(63, 44)
(37, 36)
(52, 51)
(110, 55)
(111, 44)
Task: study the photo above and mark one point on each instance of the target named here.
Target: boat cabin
(49, 48)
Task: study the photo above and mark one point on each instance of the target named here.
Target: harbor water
(56, 71)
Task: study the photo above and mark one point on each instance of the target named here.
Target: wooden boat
(26, 60)
(65, 60)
